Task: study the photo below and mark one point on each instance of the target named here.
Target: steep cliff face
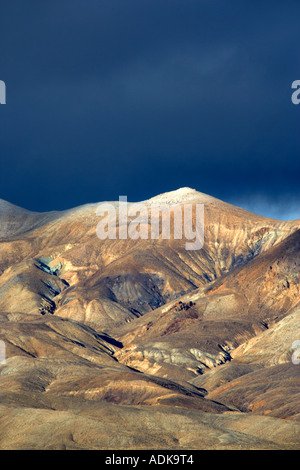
(151, 328)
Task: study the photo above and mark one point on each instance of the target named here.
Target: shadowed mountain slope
(123, 343)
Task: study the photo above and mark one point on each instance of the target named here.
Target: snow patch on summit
(179, 196)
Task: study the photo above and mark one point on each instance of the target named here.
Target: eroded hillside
(140, 334)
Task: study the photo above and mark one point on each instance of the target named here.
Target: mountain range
(142, 344)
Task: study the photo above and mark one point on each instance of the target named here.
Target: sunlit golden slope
(111, 343)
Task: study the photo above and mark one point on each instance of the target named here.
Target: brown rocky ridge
(142, 344)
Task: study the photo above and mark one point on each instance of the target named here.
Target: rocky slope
(114, 341)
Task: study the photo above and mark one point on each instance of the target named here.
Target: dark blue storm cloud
(139, 97)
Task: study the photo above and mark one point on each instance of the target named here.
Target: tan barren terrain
(142, 344)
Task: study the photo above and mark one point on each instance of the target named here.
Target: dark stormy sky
(139, 97)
